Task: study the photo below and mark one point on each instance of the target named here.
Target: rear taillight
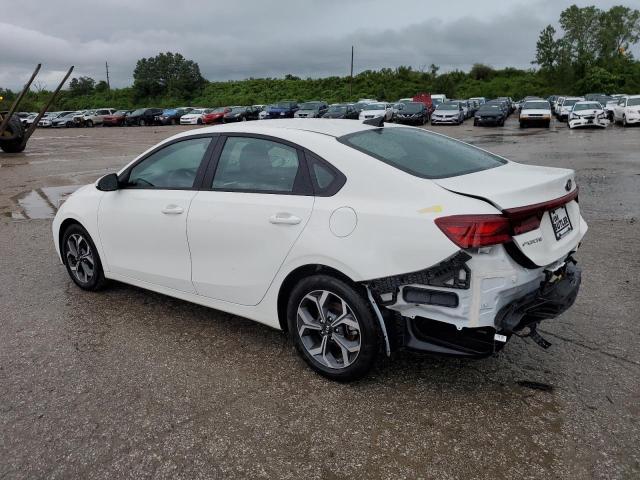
(473, 231)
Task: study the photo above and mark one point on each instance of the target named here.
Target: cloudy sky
(235, 39)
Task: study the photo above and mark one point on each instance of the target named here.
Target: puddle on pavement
(41, 202)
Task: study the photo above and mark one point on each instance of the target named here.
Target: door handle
(172, 210)
(285, 219)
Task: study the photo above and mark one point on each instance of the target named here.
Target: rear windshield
(421, 153)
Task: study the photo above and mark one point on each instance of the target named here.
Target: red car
(215, 116)
(425, 98)
(115, 120)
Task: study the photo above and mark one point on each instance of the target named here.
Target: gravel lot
(131, 384)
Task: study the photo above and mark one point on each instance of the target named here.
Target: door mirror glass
(108, 183)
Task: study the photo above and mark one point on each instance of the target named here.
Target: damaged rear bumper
(456, 308)
(551, 299)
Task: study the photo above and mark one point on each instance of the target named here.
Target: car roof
(330, 127)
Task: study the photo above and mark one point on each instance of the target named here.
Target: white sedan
(194, 117)
(378, 109)
(588, 114)
(535, 112)
(354, 237)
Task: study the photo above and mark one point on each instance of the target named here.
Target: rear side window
(256, 165)
(421, 153)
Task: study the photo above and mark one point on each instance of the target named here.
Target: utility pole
(351, 77)
(106, 64)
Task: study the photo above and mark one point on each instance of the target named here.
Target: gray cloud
(240, 39)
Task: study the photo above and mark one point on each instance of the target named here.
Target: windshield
(587, 106)
(413, 107)
(284, 105)
(337, 108)
(536, 106)
(421, 153)
(140, 111)
(375, 106)
(448, 106)
(219, 110)
(121, 112)
(570, 103)
(238, 109)
(197, 111)
(489, 107)
(310, 106)
(633, 102)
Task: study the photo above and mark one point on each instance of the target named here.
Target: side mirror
(108, 183)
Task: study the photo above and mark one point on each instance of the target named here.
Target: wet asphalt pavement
(131, 384)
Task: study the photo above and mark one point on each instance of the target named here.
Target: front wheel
(89, 123)
(81, 258)
(142, 123)
(333, 328)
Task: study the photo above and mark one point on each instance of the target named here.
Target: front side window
(172, 167)
(256, 165)
(421, 153)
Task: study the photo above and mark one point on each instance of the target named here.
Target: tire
(475, 123)
(78, 263)
(501, 123)
(523, 125)
(624, 121)
(12, 140)
(244, 119)
(142, 123)
(14, 129)
(548, 124)
(360, 337)
(89, 124)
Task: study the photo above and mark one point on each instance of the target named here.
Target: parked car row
(596, 109)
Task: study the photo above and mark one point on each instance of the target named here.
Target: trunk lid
(530, 195)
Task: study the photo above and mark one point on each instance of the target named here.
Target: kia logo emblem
(568, 185)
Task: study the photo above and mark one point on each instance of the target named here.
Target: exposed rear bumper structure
(553, 297)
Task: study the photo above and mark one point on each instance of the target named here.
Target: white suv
(627, 110)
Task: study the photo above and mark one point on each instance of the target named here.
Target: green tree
(480, 71)
(619, 28)
(81, 86)
(167, 74)
(101, 86)
(581, 27)
(547, 48)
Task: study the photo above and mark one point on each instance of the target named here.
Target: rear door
(254, 204)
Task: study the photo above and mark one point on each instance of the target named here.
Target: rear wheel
(142, 122)
(81, 258)
(333, 327)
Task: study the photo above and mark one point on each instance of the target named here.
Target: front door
(143, 225)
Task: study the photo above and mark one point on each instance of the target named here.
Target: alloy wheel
(80, 258)
(328, 328)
